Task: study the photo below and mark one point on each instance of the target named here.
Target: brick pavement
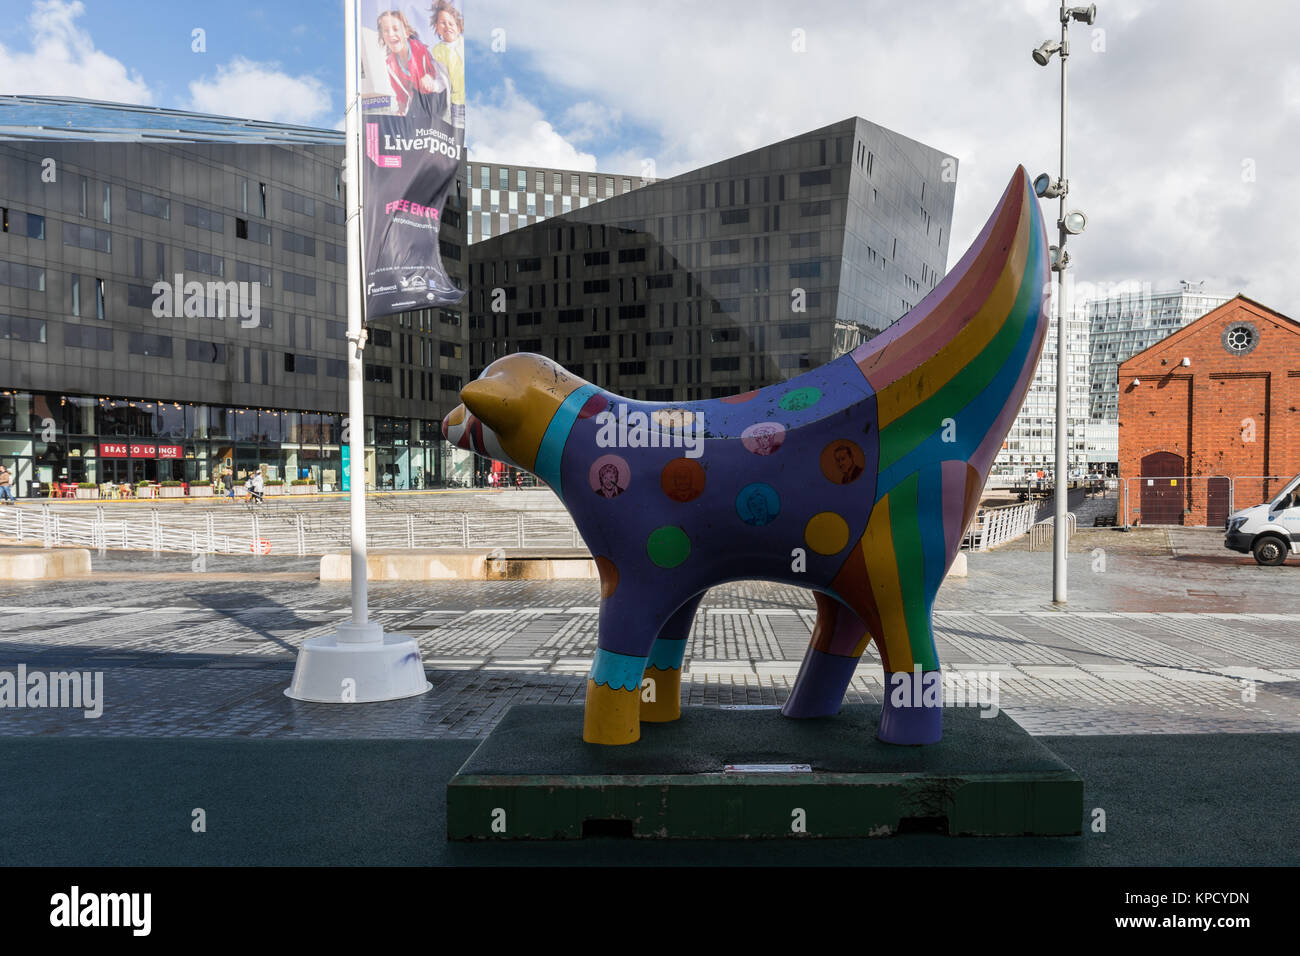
(1172, 644)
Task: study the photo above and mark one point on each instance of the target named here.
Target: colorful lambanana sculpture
(855, 480)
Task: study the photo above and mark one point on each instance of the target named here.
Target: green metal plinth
(534, 779)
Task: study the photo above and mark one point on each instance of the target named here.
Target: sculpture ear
(496, 402)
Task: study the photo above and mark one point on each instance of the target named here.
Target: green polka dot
(668, 546)
(799, 398)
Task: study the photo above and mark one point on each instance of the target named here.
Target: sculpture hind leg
(661, 698)
(891, 579)
(839, 637)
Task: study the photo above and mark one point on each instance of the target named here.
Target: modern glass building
(505, 197)
(1130, 321)
(726, 278)
(240, 361)
(1030, 445)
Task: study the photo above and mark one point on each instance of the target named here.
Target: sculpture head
(506, 410)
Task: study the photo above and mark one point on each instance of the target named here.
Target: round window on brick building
(1240, 338)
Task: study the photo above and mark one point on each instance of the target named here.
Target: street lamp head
(1045, 51)
(1086, 14)
(1074, 222)
(1046, 188)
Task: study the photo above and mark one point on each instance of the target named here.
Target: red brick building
(1219, 401)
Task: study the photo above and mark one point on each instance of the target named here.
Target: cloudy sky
(1184, 114)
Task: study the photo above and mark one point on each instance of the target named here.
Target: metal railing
(295, 532)
(1043, 533)
(995, 526)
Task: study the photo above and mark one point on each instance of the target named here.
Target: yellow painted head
(515, 399)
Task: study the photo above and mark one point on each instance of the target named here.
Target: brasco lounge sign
(133, 450)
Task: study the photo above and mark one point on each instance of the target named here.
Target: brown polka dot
(608, 576)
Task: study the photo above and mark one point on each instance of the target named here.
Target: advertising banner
(413, 140)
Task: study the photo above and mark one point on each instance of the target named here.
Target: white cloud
(262, 91)
(1164, 105)
(63, 61)
(512, 129)
(588, 120)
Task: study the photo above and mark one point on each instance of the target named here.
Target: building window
(204, 262)
(21, 276)
(303, 205)
(1240, 338)
(202, 218)
(303, 285)
(146, 343)
(87, 237)
(21, 329)
(503, 178)
(150, 205)
(295, 242)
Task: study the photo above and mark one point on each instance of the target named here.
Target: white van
(1269, 531)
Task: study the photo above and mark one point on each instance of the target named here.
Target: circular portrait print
(609, 476)
(843, 462)
(758, 504)
(799, 398)
(763, 438)
(682, 479)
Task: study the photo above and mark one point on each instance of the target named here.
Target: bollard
(302, 538)
(210, 527)
(519, 527)
(410, 531)
(464, 529)
(157, 531)
(46, 526)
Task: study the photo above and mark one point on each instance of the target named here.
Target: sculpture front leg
(661, 698)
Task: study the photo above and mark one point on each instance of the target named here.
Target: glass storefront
(50, 437)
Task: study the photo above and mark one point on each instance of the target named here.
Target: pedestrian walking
(6, 486)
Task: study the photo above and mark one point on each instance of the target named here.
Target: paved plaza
(1165, 632)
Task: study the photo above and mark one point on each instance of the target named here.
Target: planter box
(200, 491)
(273, 489)
(145, 492)
(171, 491)
(87, 492)
(302, 489)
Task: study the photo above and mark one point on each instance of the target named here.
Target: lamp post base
(358, 666)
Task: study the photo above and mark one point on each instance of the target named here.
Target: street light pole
(1060, 540)
(1069, 222)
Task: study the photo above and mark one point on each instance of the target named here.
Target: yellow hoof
(661, 701)
(612, 715)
